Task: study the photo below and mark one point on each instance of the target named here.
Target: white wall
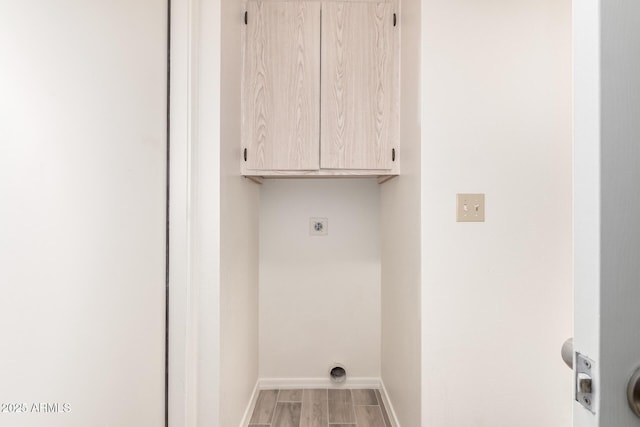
(239, 207)
(400, 228)
(82, 216)
(319, 295)
(497, 295)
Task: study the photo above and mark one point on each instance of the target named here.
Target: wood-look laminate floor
(320, 408)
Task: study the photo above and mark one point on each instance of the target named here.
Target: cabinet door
(357, 109)
(281, 99)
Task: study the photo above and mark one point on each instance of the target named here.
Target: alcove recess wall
(320, 90)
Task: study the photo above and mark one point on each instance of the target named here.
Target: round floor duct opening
(337, 373)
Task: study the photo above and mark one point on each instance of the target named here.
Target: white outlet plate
(318, 226)
(470, 208)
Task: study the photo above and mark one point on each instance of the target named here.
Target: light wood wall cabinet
(320, 89)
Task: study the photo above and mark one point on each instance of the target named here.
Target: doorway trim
(194, 215)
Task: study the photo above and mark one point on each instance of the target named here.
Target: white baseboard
(252, 404)
(351, 382)
(388, 406)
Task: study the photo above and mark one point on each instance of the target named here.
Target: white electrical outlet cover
(318, 226)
